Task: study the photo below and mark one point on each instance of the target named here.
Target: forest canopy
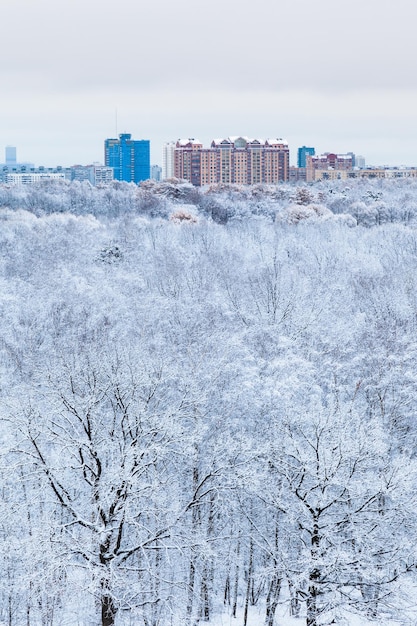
(208, 403)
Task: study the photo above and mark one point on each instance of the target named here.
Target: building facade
(297, 174)
(11, 164)
(31, 178)
(233, 160)
(360, 161)
(11, 156)
(302, 155)
(168, 165)
(130, 159)
(328, 166)
(384, 172)
(156, 173)
(95, 174)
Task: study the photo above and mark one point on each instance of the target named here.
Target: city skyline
(340, 79)
(157, 153)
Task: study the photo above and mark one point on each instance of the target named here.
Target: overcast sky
(337, 76)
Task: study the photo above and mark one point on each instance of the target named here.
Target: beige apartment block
(233, 160)
(330, 174)
(187, 159)
(384, 172)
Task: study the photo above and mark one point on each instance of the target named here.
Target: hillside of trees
(208, 404)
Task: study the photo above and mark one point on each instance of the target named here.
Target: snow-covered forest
(208, 404)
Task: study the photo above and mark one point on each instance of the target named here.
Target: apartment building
(328, 166)
(233, 160)
(95, 174)
(168, 165)
(31, 178)
(302, 155)
(130, 159)
(384, 172)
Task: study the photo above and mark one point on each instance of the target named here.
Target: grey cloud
(267, 44)
(300, 69)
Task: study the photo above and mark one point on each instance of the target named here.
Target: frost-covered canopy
(208, 404)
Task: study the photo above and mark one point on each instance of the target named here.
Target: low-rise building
(31, 178)
(328, 166)
(95, 174)
(297, 174)
(384, 172)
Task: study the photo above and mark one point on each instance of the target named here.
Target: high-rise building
(11, 158)
(352, 154)
(236, 160)
(360, 161)
(11, 163)
(187, 160)
(130, 159)
(302, 155)
(168, 167)
(156, 173)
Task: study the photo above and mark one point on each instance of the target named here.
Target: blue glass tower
(301, 155)
(129, 159)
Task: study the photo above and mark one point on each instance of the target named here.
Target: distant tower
(360, 161)
(352, 154)
(130, 159)
(156, 172)
(168, 152)
(302, 154)
(10, 155)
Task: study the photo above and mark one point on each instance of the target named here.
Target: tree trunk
(312, 605)
(108, 611)
(295, 601)
(204, 596)
(272, 599)
(195, 523)
(191, 582)
(236, 581)
(314, 577)
(249, 583)
(226, 597)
